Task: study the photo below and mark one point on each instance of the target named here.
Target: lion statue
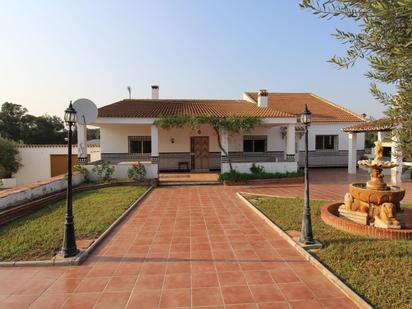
(350, 203)
(347, 201)
(387, 214)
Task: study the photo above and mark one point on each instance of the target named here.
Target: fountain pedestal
(374, 202)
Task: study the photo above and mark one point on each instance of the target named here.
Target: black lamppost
(306, 235)
(69, 242)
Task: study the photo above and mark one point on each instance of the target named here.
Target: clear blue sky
(55, 51)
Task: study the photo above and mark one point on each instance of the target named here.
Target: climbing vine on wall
(229, 125)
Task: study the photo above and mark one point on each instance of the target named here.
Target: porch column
(154, 132)
(224, 140)
(381, 136)
(81, 144)
(290, 143)
(396, 157)
(352, 153)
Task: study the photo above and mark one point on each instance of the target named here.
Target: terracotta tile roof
(383, 124)
(322, 110)
(148, 108)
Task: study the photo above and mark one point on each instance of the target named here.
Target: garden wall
(120, 171)
(270, 167)
(36, 160)
(30, 191)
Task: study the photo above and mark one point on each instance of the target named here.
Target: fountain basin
(330, 215)
(393, 194)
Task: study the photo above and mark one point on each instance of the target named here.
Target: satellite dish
(86, 111)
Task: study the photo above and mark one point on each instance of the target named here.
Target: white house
(127, 133)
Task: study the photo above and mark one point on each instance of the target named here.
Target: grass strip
(378, 269)
(39, 235)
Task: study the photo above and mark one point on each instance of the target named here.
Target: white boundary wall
(34, 190)
(36, 164)
(270, 167)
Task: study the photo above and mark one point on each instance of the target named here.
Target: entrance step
(188, 183)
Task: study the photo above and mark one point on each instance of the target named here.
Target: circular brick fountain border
(330, 215)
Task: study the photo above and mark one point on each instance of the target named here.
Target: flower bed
(234, 178)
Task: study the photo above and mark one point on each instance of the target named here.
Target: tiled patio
(193, 246)
(328, 184)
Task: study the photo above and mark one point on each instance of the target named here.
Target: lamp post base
(309, 245)
(69, 254)
(69, 248)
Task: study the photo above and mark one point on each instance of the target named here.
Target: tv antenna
(129, 89)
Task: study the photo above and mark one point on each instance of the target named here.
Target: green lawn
(40, 234)
(379, 270)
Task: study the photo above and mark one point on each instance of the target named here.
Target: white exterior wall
(274, 139)
(36, 163)
(182, 139)
(332, 129)
(114, 138)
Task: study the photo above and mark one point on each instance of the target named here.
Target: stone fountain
(374, 202)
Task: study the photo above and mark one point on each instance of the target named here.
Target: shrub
(83, 171)
(9, 161)
(104, 172)
(257, 169)
(137, 172)
(237, 176)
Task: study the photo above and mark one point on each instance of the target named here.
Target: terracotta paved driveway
(184, 247)
(329, 184)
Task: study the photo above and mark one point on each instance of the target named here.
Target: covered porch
(383, 127)
(274, 145)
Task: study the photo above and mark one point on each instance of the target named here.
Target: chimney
(263, 98)
(155, 92)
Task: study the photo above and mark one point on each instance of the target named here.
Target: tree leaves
(385, 41)
(9, 161)
(17, 125)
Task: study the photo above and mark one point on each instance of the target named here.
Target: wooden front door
(201, 152)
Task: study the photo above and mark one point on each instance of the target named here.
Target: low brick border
(357, 299)
(269, 181)
(330, 215)
(14, 212)
(83, 255)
